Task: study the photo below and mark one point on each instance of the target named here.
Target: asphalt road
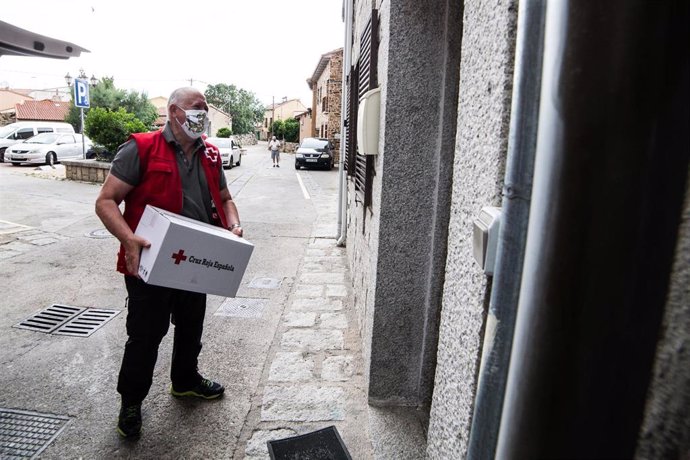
(54, 250)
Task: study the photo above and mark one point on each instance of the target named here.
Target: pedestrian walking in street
(192, 184)
(274, 147)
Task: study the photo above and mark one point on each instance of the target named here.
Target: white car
(48, 148)
(230, 150)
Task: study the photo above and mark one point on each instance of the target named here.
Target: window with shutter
(363, 77)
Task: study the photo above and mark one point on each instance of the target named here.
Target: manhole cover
(25, 434)
(265, 283)
(241, 307)
(100, 233)
(68, 320)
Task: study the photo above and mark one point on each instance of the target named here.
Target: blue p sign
(81, 93)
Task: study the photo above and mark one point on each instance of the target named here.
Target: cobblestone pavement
(312, 376)
(315, 376)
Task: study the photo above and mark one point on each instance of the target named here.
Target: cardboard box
(191, 255)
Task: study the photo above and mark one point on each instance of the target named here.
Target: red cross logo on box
(179, 256)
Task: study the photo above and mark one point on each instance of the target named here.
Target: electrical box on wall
(368, 122)
(485, 238)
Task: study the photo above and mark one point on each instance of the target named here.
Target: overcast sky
(269, 47)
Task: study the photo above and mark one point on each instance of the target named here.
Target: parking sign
(81, 93)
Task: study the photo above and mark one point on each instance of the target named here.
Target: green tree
(105, 95)
(224, 132)
(291, 130)
(140, 106)
(112, 128)
(244, 107)
(278, 129)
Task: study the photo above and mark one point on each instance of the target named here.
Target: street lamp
(68, 78)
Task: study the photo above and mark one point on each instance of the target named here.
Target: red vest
(161, 185)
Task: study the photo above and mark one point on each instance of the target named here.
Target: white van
(21, 130)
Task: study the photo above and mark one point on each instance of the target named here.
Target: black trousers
(150, 311)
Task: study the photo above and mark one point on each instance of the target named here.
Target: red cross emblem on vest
(212, 154)
(179, 256)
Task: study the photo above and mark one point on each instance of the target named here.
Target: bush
(111, 129)
(278, 129)
(287, 130)
(224, 132)
(291, 130)
(99, 153)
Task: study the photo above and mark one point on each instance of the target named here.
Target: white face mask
(195, 124)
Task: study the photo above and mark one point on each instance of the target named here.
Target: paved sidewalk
(294, 367)
(314, 373)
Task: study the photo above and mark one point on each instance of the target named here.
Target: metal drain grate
(68, 320)
(50, 319)
(86, 323)
(265, 283)
(241, 307)
(26, 434)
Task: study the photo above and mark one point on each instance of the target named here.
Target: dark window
(24, 133)
(44, 130)
(324, 104)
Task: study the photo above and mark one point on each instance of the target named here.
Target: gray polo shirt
(196, 202)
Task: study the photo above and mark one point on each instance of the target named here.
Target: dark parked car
(314, 152)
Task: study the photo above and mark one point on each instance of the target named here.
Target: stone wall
(334, 96)
(418, 228)
(246, 139)
(289, 147)
(665, 432)
(486, 77)
(86, 170)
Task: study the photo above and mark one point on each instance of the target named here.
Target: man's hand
(133, 248)
(111, 195)
(231, 213)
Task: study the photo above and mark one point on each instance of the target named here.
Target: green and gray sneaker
(129, 422)
(206, 389)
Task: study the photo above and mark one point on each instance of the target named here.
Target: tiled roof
(45, 110)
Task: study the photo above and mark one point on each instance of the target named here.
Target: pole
(342, 183)
(611, 161)
(273, 116)
(83, 142)
(505, 290)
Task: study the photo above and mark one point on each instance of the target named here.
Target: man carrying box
(172, 169)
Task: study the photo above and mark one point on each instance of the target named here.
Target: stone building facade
(326, 86)
(446, 74)
(287, 108)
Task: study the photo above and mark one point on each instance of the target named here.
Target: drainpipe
(505, 289)
(611, 169)
(342, 178)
